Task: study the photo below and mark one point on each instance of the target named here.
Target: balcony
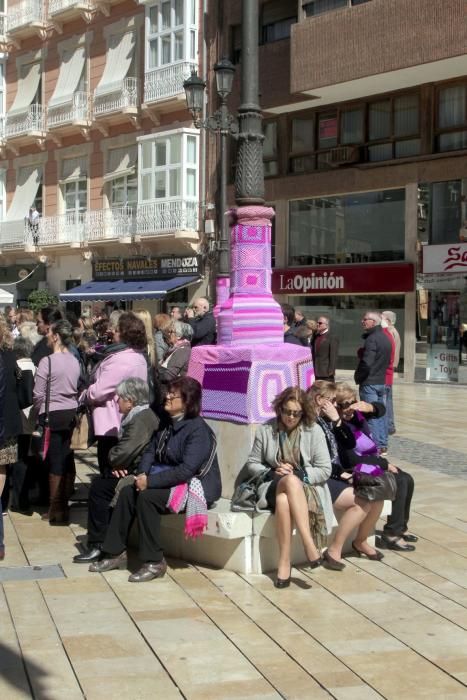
(167, 217)
(13, 234)
(66, 116)
(66, 10)
(121, 103)
(66, 229)
(165, 85)
(27, 18)
(3, 32)
(110, 224)
(25, 127)
(374, 48)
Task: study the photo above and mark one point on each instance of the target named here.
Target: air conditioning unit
(342, 155)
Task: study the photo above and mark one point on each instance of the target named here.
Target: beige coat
(315, 459)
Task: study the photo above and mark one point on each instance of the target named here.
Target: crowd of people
(155, 453)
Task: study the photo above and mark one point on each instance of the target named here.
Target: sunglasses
(291, 414)
(345, 404)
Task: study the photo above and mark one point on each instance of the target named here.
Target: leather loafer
(88, 555)
(408, 537)
(394, 544)
(331, 563)
(149, 571)
(109, 563)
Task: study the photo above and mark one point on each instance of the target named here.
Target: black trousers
(397, 522)
(99, 512)
(104, 445)
(147, 506)
(21, 475)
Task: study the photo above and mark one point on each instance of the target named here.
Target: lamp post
(225, 124)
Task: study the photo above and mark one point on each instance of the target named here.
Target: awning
(27, 185)
(127, 290)
(71, 69)
(119, 56)
(5, 297)
(26, 89)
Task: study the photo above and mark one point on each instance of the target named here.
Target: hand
(393, 469)
(284, 469)
(362, 406)
(329, 410)
(346, 476)
(119, 473)
(141, 482)
(189, 313)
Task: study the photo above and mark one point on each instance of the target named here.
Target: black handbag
(245, 497)
(373, 484)
(24, 387)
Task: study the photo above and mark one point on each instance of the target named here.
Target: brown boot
(58, 509)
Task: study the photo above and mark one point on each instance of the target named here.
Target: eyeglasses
(291, 414)
(345, 404)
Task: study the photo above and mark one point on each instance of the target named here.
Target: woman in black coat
(181, 453)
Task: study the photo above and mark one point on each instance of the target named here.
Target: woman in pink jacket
(124, 358)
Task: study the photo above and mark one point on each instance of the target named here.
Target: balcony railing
(104, 224)
(59, 230)
(13, 234)
(26, 12)
(56, 7)
(163, 83)
(78, 109)
(164, 217)
(23, 123)
(125, 95)
(3, 24)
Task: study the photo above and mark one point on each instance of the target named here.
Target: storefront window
(361, 227)
(446, 211)
(345, 313)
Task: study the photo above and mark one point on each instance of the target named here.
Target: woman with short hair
(175, 364)
(290, 451)
(178, 470)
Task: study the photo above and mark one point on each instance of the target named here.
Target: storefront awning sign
(445, 258)
(143, 267)
(395, 278)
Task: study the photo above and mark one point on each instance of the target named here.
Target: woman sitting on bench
(290, 451)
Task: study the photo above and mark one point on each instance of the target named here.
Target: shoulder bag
(373, 483)
(83, 433)
(40, 439)
(246, 496)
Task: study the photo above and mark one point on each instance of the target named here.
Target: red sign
(377, 278)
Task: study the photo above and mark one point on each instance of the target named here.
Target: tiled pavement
(396, 629)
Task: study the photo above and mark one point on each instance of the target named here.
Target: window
(171, 31)
(319, 7)
(452, 118)
(124, 192)
(341, 229)
(393, 128)
(168, 167)
(445, 208)
(277, 16)
(235, 43)
(74, 184)
(75, 196)
(270, 149)
(121, 177)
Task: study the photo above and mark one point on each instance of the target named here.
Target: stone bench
(242, 542)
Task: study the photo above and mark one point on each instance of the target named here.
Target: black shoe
(282, 582)
(331, 563)
(408, 537)
(89, 555)
(376, 556)
(387, 542)
(315, 563)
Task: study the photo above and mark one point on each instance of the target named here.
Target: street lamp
(225, 124)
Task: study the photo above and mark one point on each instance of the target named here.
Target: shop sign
(445, 258)
(437, 281)
(345, 279)
(442, 365)
(140, 268)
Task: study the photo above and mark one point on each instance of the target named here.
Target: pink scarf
(190, 497)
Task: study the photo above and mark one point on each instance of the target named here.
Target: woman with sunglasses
(354, 414)
(290, 450)
(353, 513)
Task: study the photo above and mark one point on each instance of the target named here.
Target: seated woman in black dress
(351, 511)
(179, 472)
(353, 412)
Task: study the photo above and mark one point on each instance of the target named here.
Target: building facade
(365, 155)
(99, 160)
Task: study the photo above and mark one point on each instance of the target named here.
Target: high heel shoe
(282, 582)
(331, 563)
(315, 563)
(376, 556)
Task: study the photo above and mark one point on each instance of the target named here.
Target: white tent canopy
(5, 297)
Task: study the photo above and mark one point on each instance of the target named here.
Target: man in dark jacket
(288, 313)
(203, 323)
(370, 375)
(324, 349)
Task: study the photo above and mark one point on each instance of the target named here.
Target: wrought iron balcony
(106, 224)
(166, 83)
(59, 230)
(3, 25)
(26, 14)
(31, 122)
(13, 234)
(167, 216)
(62, 8)
(78, 110)
(124, 97)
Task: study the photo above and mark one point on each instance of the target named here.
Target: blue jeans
(378, 426)
(389, 409)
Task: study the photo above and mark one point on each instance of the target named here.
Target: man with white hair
(370, 375)
(203, 323)
(389, 321)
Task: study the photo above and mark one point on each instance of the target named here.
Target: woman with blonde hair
(290, 451)
(146, 318)
(161, 321)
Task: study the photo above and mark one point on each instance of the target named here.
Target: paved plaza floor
(391, 629)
